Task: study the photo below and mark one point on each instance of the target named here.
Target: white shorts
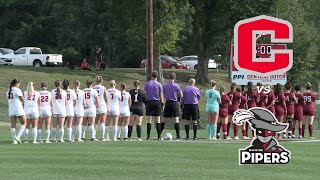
(90, 112)
(102, 110)
(43, 113)
(59, 115)
(16, 115)
(125, 112)
(70, 114)
(33, 115)
(79, 115)
(114, 112)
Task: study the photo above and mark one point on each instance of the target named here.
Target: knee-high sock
(102, 130)
(162, 126)
(177, 128)
(148, 129)
(92, 131)
(195, 129)
(119, 132)
(158, 126)
(79, 131)
(125, 132)
(139, 131)
(74, 130)
(247, 128)
(54, 133)
(47, 134)
(235, 130)
(13, 133)
(219, 127)
(21, 130)
(310, 130)
(39, 136)
(129, 131)
(61, 133)
(243, 133)
(214, 130)
(300, 131)
(224, 129)
(289, 120)
(34, 134)
(26, 134)
(208, 131)
(228, 128)
(69, 132)
(293, 130)
(106, 131)
(115, 131)
(83, 132)
(303, 129)
(187, 127)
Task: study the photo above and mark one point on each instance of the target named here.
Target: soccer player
(212, 109)
(125, 104)
(113, 99)
(243, 105)
(280, 105)
(91, 102)
(261, 97)
(15, 100)
(102, 110)
(290, 100)
(298, 111)
(223, 114)
(171, 110)
(79, 109)
(270, 100)
(252, 97)
(309, 98)
(154, 106)
(235, 98)
(45, 112)
(189, 101)
(59, 110)
(70, 103)
(138, 97)
(31, 108)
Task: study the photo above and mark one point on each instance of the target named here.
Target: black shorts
(137, 110)
(191, 112)
(171, 109)
(153, 108)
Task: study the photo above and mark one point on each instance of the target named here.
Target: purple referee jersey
(153, 89)
(170, 91)
(191, 95)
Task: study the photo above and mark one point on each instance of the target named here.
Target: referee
(171, 110)
(154, 92)
(190, 99)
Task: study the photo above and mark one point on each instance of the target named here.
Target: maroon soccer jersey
(309, 98)
(243, 102)
(235, 99)
(298, 114)
(290, 101)
(262, 97)
(278, 106)
(223, 111)
(252, 98)
(270, 97)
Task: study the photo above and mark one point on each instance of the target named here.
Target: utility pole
(149, 38)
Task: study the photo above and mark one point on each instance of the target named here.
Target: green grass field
(200, 159)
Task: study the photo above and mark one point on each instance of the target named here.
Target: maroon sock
(310, 130)
(235, 130)
(219, 127)
(293, 129)
(247, 128)
(228, 128)
(224, 129)
(252, 133)
(243, 133)
(302, 132)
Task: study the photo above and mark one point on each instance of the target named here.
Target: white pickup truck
(32, 56)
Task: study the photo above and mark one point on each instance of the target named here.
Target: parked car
(193, 62)
(168, 62)
(3, 60)
(32, 56)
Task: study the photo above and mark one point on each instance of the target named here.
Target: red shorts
(290, 110)
(232, 109)
(308, 111)
(272, 110)
(279, 111)
(298, 114)
(223, 113)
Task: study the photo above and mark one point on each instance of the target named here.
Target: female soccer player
(58, 110)
(16, 111)
(114, 97)
(70, 103)
(78, 110)
(243, 105)
(212, 109)
(91, 103)
(309, 98)
(290, 100)
(223, 114)
(138, 97)
(102, 110)
(45, 112)
(280, 104)
(235, 98)
(31, 108)
(298, 111)
(125, 104)
(252, 97)
(261, 97)
(270, 100)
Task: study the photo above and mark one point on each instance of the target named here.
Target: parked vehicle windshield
(35, 51)
(6, 51)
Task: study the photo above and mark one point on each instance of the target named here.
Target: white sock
(106, 132)
(69, 133)
(118, 131)
(83, 131)
(61, 133)
(102, 129)
(125, 131)
(13, 133)
(39, 136)
(21, 130)
(79, 131)
(54, 133)
(92, 131)
(115, 131)
(34, 134)
(95, 130)
(26, 134)
(47, 134)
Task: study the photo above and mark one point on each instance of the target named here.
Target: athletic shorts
(308, 111)
(191, 112)
(102, 110)
(113, 112)
(79, 115)
(279, 111)
(70, 114)
(290, 110)
(223, 113)
(171, 109)
(44, 113)
(272, 110)
(90, 112)
(59, 115)
(212, 109)
(137, 110)
(124, 112)
(232, 109)
(33, 115)
(153, 108)
(298, 114)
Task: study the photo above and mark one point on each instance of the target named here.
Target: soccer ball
(167, 136)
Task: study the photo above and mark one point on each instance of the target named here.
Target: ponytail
(233, 87)
(12, 83)
(65, 84)
(99, 79)
(212, 83)
(250, 87)
(57, 83)
(277, 90)
(136, 83)
(30, 89)
(44, 85)
(123, 87)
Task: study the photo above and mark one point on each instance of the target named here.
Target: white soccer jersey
(101, 89)
(59, 103)
(89, 97)
(114, 97)
(31, 103)
(15, 105)
(45, 99)
(71, 96)
(79, 109)
(124, 102)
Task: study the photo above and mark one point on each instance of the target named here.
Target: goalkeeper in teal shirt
(212, 108)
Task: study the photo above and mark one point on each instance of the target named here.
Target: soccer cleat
(119, 139)
(139, 139)
(228, 138)
(108, 139)
(214, 139)
(35, 142)
(148, 139)
(289, 137)
(125, 139)
(293, 136)
(47, 142)
(71, 140)
(103, 140)
(236, 138)
(187, 138)
(18, 140)
(61, 140)
(83, 139)
(160, 139)
(218, 137)
(14, 142)
(209, 138)
(195, 138)
(40, 141)
(311, 137)
(178, 139)
(26, 142)
(94, 140)
(115, 139)
(245, 137)
(300, 137)
(284, 136)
